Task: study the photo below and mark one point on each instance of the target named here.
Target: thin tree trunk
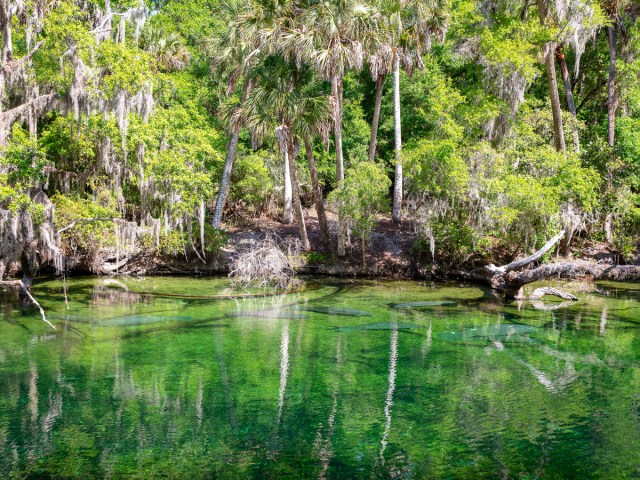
(611, 39)
(376, 117)
(288, 193)
(568, 90)
(228, 164)
(297, 205)
(317, 192)
(226, 179)
(611, 107)
(336, 91)
(553, 84)
(396, 214)
(5, 21)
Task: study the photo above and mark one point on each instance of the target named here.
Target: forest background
(482, 127)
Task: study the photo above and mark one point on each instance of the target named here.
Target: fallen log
(509, 281)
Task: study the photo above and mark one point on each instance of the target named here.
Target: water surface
(171, 378)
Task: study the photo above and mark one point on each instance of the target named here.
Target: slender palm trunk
(297, 205)
(558, 129)
(336, 91)
(568, 90)
(376, 117)
(611, 107)
(566, 79)
(611, 39)
(396, 213)
(317, 192)
(288, 192)
(228, 165)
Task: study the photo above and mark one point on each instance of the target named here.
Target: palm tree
(232, 54)
(333, 37)
(549, 52)
(283, 103)
(167, 48)
(315, 120)
(410, 26)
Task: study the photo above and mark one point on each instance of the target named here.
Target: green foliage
(316, 258)
(251, 181)
(477, 128)
(84, 237)
(23, 158)
(172, 243)
(214, 239)
(13, 199)
(363, 195)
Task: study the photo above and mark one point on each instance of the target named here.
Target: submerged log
(538, 293)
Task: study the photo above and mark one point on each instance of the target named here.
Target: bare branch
(13, 65)
(85, 220)
(525, 261)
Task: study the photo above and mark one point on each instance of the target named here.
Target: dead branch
(85, 220)
(576, 269)
(525, 261)
(13, 65)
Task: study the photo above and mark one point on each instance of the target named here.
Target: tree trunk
(396, 214)
(568, 90)
(5, 21)
(376, 117)
(288, 193)
(297, 205)
(553, 84)
(226, 179)
(611, 107)
(611, 39)
(317, 192)
(228, 164)
(336, 91)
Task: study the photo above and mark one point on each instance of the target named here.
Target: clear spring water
(150, 378)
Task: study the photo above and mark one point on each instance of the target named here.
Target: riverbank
(390, 254)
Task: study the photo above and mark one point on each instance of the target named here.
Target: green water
(157, 378)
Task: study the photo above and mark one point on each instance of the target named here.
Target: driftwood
(506, 279)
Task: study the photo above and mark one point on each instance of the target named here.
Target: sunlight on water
(185, 378)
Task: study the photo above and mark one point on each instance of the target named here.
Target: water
(159, 378)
